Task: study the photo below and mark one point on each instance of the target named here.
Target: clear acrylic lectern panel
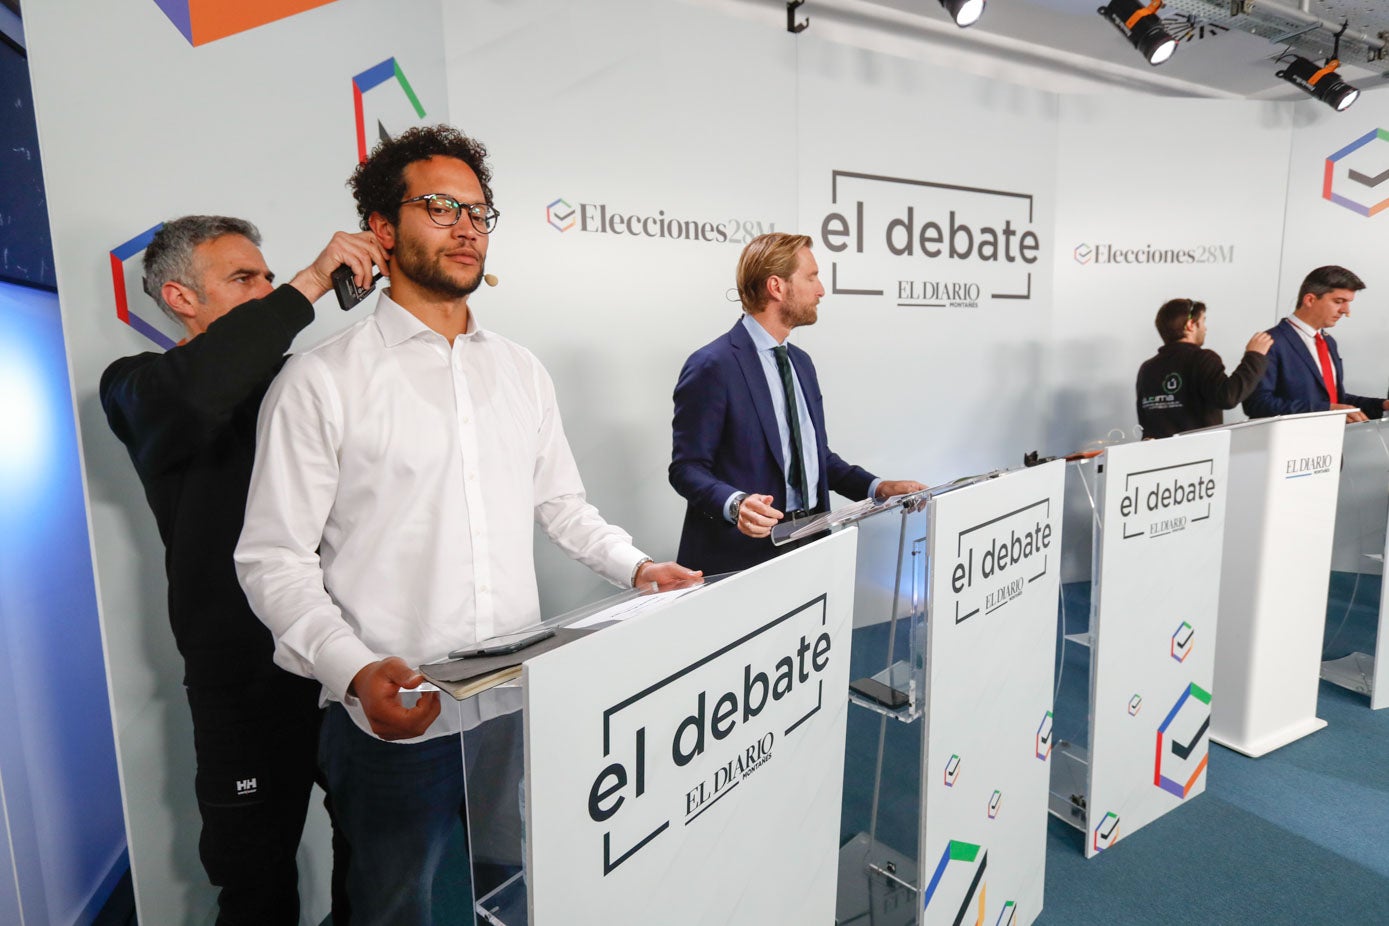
(1083, 529)
(878, 869)
(883, 878)
(1356, 609)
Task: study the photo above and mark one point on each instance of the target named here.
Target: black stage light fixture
(1141, 26)
(964, 12)
(1320, 81)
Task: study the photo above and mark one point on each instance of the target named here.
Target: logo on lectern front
(1044, 736)
(1106, 832)
(735, 709)
(1182, 750)
(997, 559)
(1167, 499)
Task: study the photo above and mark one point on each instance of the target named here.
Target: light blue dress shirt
(765, 343)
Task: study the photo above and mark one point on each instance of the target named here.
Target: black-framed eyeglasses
(446, 211)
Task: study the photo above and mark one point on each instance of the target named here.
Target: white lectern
(1284, 474)
(1158, 532)
(682, 765)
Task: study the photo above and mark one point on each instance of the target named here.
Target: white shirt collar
(1302, 326)
(399, 325)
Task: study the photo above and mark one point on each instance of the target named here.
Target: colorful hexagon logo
(1084, 253)
(1135, 705)
(1182, 747)
(370, 79)
(952, 771)
(1364, 186)
(953, 871)
(1106, 832)
(560, 215)
(203, 21)
(995, 804)
(1183, 639)
(1044, 736)
(119, 255)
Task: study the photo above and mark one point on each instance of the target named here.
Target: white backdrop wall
(621, 107)
(664, 111)
(1185, 178)
(136, 126)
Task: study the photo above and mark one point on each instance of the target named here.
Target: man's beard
(797, 314)
(426, 271)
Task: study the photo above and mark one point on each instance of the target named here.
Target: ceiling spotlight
(964, 12)
(1142, 28)
(1321, 82)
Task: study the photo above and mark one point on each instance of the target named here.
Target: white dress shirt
(1309, 341)
(391, 506)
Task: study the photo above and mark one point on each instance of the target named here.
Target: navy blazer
(725, 440)
(1293, 382)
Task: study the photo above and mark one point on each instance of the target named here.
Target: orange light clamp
(1148, 10)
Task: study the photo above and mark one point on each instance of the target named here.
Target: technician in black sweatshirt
(188, 418)
(1184, 386)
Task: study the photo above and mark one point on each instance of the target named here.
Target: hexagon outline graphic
(1182, 750)
(373, 77)
(995, 804)
(958, 851)
(952, 770)
(1044, 736)
(1135, 705)
(119, 255)
(1328, 191)
(560, 221)
(1083, 258)
(1109, 833)
(1181, 640)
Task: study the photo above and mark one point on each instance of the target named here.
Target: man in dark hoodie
(1184, 386)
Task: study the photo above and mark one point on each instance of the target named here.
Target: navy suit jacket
(725, 440)
(1293, 382)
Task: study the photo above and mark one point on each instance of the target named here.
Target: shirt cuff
(339, 662)
(730, 507)
(873, 487)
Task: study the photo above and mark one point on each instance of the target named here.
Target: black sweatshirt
(1184, 387)
(188, 418)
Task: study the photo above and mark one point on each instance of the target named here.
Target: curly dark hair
(378, 183)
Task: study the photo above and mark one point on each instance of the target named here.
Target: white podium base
(1276, 740)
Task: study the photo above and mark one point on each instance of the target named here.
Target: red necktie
(1329, 378)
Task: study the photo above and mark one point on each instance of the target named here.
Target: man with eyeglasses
(1183, 386)
(187, 416)
(400, 468)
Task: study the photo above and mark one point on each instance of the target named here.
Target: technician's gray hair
(170, 258)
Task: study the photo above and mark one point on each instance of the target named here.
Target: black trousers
(257, 748)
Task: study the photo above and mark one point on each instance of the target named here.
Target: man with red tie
(1304, 368)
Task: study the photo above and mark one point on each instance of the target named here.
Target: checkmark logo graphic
(1367, 180)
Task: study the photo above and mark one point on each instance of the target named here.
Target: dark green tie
(796, 467)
